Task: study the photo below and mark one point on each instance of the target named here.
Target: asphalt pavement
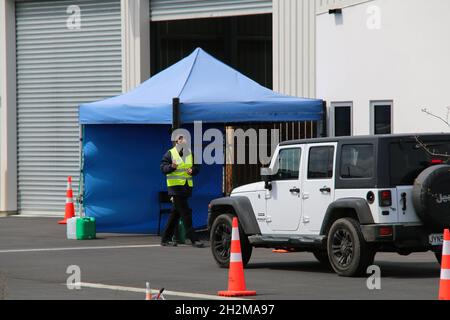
(34, 257)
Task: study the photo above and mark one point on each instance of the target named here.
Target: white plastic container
(72, 228)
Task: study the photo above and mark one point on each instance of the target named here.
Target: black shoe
(168, 243)
(198, 244)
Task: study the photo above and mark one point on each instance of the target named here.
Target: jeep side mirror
(266, 176)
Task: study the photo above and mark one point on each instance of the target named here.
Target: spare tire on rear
(431, 197)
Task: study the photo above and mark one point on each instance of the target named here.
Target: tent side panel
(122, 178)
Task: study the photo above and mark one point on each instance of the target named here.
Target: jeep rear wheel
(348, 252)
(430, 197)
(220, 238)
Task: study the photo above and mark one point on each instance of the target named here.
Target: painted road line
(56, 216)
(81, 248)
(142, 290)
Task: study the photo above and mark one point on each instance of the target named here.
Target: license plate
(436, 239)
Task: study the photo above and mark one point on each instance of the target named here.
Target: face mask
(183, 148)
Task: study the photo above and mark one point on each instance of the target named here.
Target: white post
(8, 127)
(135, 43)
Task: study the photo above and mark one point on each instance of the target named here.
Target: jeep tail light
(437, 161)
(385, 198)
(385, 231)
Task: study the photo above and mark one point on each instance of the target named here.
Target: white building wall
(387, 50)
(135, 43)
(2, 47)
(294, 47)
(325, 5)
(8, 127)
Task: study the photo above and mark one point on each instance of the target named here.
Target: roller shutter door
(57, 69)
(162, 10)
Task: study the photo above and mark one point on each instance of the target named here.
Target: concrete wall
(8, 127)
(135, 43)
(325, 5)
(387, 50)
(2, 48)
(294, 47)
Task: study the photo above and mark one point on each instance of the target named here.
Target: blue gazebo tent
(126, 136)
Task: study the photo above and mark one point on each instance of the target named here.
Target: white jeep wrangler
(343, 199)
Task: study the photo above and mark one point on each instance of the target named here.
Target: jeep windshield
(409, 159)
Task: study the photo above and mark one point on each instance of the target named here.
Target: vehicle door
(283, 202)
(318, 184)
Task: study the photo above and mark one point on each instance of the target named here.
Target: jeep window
(357, 162)
(320, 165)
(409, 159)
(288, 165)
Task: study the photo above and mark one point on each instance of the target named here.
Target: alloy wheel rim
(342, 248)
(222, 241)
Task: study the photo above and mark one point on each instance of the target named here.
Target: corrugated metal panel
(325, 5)
(294, 59)
(162, 10)
(57, 69)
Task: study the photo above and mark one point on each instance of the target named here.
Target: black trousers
(180, 209)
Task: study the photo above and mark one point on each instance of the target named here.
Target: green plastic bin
(180, 234)
(86, 228)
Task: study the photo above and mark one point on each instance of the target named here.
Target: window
(357, 162)
(288, 165)
(342, 123)
(381, 117)
(320, 164)
(409, 159)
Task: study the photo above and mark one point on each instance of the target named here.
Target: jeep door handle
(294, 190)
(404, 201)
(325, 189)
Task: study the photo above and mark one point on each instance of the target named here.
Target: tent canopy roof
(209, 91)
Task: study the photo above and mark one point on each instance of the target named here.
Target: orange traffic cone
(236, 279)
(70, 209)
(148, 291)
(444, 288)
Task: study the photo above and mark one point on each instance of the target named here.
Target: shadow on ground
(394, 270)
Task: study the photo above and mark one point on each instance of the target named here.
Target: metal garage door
(161, 10)
(60, 64)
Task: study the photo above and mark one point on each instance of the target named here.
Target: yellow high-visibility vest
(180, 175)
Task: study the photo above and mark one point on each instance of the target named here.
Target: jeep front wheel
(322, 257)
(438, 255)
(348, 252)
(220, 238)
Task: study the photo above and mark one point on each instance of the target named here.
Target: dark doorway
(243, 42)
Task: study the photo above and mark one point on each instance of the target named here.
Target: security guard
(178, 166)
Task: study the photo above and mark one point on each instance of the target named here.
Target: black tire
(430, 197)
(348, 252)
(220, 238)
(438, 256)
(322, 257)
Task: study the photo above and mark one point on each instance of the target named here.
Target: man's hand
(189, 171)
(174, 165)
